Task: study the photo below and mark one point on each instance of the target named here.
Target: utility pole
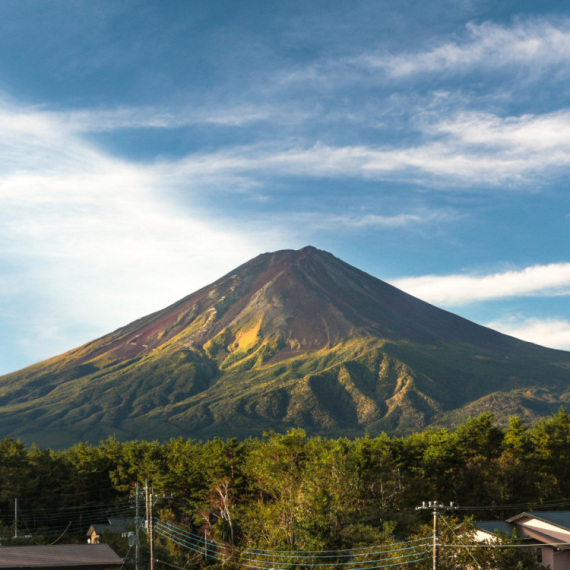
(151, 532)
(137, 526)
(15, 518)
(148, 518)
(436, 507)
(149, 497)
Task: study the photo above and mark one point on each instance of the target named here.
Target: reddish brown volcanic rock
(310, 297)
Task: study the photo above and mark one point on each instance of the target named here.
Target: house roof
(114, 525)
(560, 519)
(99, 528)
(495, 527)
(121, 521)
(59, 555)
(548, 539)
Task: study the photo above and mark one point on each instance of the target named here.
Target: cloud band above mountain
(457, 290)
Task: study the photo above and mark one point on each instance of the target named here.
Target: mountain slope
(292, 338)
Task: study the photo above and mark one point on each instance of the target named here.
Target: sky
(149, 147)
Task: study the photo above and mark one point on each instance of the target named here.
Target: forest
(292, 501)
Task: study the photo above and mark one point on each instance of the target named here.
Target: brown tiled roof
(58, 555)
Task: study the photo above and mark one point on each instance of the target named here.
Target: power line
(57, 540)
(455, 534)
(559, 503)
(299, 554)
(199, 538)
(479, 545)
(280, 554)
(273, 564)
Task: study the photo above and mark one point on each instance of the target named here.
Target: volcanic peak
(288, 339)
(294, 301)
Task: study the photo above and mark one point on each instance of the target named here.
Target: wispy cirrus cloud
(537, 43)
(553, 333)
(457, 290)
(527, 133)
(395, 221)
(89, 238)
(105, 120)
(462, 150)
(409, 219)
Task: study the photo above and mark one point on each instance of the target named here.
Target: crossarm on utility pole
(436, 507)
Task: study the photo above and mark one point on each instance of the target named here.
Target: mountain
(289, 339)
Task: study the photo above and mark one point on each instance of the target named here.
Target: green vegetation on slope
(364, 385)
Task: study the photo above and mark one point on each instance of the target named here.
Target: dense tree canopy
(292, 493)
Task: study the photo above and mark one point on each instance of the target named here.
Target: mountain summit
(291, 338)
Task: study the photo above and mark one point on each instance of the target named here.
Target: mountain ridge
(295, 338)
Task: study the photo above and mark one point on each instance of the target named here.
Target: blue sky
(147, 148)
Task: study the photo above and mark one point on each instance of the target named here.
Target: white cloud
(457, 151)
(536, 43)
(456, 290)
(87, 240)
(95, 120)
(528, 133)
(376, 220)
(466, 149)
(553, 333)
(356, 221)
(148, 117)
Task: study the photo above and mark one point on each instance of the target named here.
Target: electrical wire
(284, 555)
(200, 538)
(515, 506)
(273, 564)
(36, 519)
(222, 545)
(171, 565)
(101, 507)
(557, 545)
(84, 506)
(295, 554)
(455, 534)
(277, 555)
(50, 527)
(93, 515)
(321, 564)
(53, 523)
(60, 536)
(125, 558)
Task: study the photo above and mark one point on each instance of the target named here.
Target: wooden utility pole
(436, 507)
(148, 519)
(149, 497)
(15, 518)
(151, 532)
(137, 527)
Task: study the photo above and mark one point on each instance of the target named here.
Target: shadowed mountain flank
(289, 339)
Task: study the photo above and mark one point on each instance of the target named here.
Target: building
(547, 533)
(59, 557)
(114, 526)
(489, 531)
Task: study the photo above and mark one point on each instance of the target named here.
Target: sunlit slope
(292, 338)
